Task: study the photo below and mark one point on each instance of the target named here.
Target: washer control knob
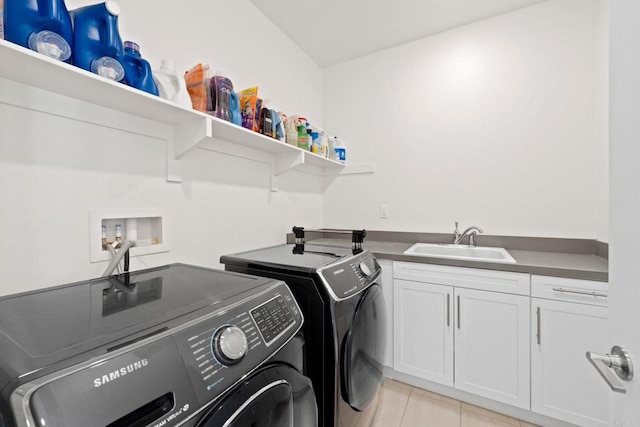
(229, 344)
(364, 269)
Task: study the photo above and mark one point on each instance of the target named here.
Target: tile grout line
(404, 411)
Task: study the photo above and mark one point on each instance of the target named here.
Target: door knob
(621, 363)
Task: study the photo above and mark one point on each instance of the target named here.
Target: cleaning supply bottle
(170, 85)
(221, 90)
(324, 144)
(291, 130)
(97, 42)
(137, 71)
(41, 25)
(316, 146)
(1, 19)
(340, 150)
(266, 122)
(234, 106)
(303, 136)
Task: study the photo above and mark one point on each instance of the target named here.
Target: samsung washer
(170, 346)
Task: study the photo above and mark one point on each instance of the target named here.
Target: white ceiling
(333, 31)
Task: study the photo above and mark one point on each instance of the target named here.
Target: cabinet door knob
(621, 363)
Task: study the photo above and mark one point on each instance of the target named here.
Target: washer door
(363, 350)
(276, 396)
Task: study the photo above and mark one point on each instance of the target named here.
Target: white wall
(602, 125)
(55, 169)
(498, 124)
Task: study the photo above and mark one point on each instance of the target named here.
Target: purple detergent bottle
(137, 71)
(97, 42)
(41, 25)
(221, 90)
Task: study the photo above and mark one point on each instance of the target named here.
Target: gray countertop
(559, 264)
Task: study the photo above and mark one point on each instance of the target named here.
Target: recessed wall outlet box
(146, 227)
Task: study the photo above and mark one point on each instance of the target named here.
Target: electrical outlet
(384, 211)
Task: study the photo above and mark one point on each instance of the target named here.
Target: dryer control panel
(221, 350)
(350, 276)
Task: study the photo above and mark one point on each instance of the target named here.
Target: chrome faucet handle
(472, 236)
(456, 234)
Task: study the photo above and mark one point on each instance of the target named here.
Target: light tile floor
(404, 406)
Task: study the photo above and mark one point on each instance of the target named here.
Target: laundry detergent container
(41, 25)
(137, 71)
(98, 46)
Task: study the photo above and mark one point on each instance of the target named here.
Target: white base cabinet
(492, 345)
(510, 337)
(471, 339)
(564, 384)
(423, 330)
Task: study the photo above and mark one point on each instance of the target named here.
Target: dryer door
(276, 396)
(363, 350)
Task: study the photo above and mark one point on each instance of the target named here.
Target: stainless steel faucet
(471, 232)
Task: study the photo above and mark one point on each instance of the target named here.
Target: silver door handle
(590, 293)
(448, 311)
(621, 363)
(458, 311)
(538, 332)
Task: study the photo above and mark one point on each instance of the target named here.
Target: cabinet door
(562, 382)
(423, 330)
(492, 345)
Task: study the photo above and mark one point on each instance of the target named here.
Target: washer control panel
(222, 349)
(273, 318)
(350, 276)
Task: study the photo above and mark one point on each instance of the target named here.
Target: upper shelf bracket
(189, 135)
(287, 161)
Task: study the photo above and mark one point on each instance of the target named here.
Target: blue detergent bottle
(41, 25)
(137, 71)
(97, 42)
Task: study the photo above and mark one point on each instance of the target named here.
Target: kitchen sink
(464, 252)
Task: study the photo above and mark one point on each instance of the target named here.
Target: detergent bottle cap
(50, 44)
(112, 7)
(167, 64)
(132, 45)
(108, 67)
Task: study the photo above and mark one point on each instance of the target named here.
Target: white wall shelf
(192, 129)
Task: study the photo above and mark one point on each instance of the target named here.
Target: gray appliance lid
(287, 257)
(43, 327)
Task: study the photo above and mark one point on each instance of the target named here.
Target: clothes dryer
(341, 298)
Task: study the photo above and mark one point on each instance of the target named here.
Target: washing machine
(346, 319)
(177, 345)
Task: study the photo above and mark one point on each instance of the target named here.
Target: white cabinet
(563, 382)
(492, 345)
(449, 329)
(423, 330)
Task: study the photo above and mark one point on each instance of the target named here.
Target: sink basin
(471, 253)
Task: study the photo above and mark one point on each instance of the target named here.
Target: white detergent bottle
(171, 86)
(340, 150)
(337, 150)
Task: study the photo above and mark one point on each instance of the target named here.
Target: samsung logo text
(119, 373)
